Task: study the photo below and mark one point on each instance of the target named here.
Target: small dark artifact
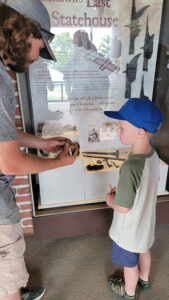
(134, 26)
(131, 72)
(148, 47)
(94, 167)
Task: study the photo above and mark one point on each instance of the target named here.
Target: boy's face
(127, 132)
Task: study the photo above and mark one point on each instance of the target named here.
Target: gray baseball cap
(36, 11)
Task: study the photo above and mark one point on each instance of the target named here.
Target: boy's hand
(112, 190)
(110, 198)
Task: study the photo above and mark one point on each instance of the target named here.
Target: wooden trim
(81, 208)
(84, 222)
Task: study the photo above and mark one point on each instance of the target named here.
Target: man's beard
(19, 68)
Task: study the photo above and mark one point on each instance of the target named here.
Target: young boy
(134, 200)
(24, 35)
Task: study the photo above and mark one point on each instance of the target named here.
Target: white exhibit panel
(70, 186)
(62, 186)
(97, 184)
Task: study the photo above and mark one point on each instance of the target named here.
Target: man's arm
(31, 141)
(109, 200)
(13, 161)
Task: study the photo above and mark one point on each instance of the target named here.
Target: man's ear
(141, 132)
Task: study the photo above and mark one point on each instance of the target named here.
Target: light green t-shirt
(137, 190)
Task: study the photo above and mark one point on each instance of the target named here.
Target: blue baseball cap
(142, 113)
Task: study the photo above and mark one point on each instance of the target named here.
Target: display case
(106, 53)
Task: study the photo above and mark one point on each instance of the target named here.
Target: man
(24, 35)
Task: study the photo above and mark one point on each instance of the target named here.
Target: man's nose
(37, 57)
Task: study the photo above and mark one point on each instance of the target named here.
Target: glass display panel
(106, 52)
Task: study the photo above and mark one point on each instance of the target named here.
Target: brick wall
(21, 184)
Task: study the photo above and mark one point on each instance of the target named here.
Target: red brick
(12, 74)
(25, 206)
(15, 86)
(26, 214)
(23, 198)
(18, 111)
(20, 181)
(18, 122)
(20, 198)
(27, 222)
(17, 100)
(22, 191)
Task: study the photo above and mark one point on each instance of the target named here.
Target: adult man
(24, 34)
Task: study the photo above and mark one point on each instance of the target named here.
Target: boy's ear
(141, 132)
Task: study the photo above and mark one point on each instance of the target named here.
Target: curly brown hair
(15, 30)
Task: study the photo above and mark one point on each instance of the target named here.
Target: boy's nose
(118, 130)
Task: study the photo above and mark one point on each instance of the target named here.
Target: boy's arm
(109, 200)
(129, 180)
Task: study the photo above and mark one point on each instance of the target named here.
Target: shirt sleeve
(7, 113)
(129, 181)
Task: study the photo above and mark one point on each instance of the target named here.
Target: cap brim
(46, 52)
(113, 115)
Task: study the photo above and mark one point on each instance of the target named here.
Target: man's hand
(65, 158)
(50, 145)
(54, 144)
